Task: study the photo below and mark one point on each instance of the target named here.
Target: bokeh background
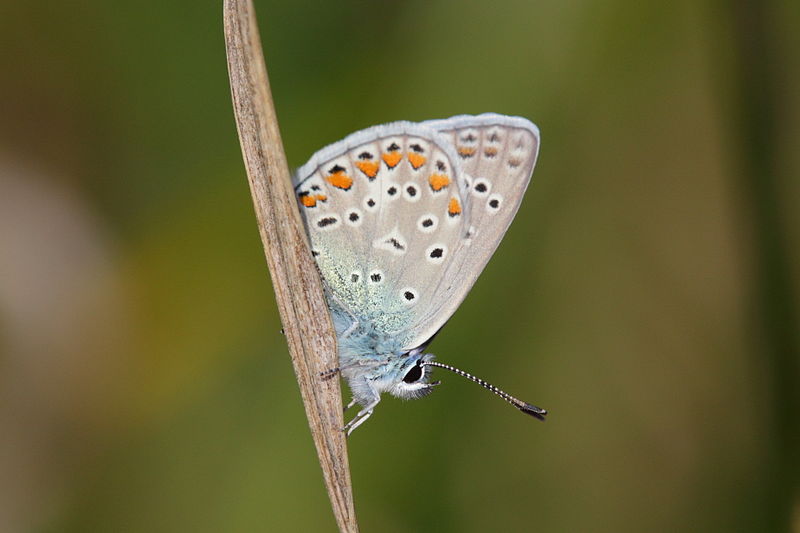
(646, 293)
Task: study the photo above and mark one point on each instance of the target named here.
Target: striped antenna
(528, 409)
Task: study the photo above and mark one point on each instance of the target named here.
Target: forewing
(496, 155)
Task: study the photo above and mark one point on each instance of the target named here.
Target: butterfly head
(410, 377)
(410, 380)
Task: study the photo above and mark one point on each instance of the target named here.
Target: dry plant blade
(297, 285)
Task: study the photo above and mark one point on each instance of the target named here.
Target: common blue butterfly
(402, 219)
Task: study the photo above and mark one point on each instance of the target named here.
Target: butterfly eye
(414, 374)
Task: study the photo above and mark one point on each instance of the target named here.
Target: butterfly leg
(369, 399)
(361, 417)
(349, 405)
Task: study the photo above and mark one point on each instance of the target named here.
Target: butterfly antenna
(528, 409)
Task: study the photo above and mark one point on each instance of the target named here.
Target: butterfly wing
(384, 210)
(496, 155)
(403, 218)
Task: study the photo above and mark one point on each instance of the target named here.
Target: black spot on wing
(327, 221)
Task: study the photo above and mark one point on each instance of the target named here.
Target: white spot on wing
(370, 203)
(353, 217)
(481, 187)
(468, 238)
(411, 192)
(391, 242)
(416, 144)
(469, 136)
(494, 203)
(436, 253)
(391, 191)
(428, 223)
(408, 296)
(375, 277)
(387, 143)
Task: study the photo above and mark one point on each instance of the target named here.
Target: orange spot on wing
(490, 151)
(308, 201)
(454, 208)
(438, 182)
(369, 168)
(321, 198)
(466, 151)
(416, 160)
(391, 158)
(340, 180)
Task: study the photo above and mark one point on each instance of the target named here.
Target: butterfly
(402, 218)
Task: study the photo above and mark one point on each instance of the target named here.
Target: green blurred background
(646, 293)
